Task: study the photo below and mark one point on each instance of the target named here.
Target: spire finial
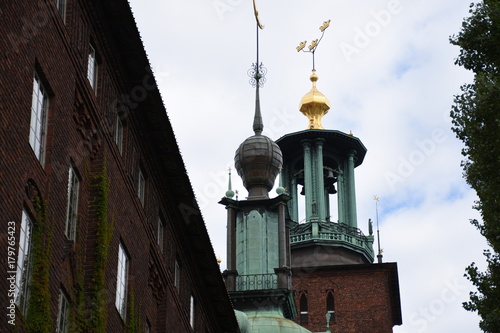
(379, 255)
(314, 44)
(229, 192)
(257, 79)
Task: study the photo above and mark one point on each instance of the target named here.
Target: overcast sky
(388, 70)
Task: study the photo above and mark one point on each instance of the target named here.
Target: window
(303, 309)
(61, 8)
(141, 184)
(92, 68)
(72, 211)
(63, 314)
(159, 236)
(23, 271)
(177, 273)
(39, 105)
(330, 305)
(121, 281)
(119, 134)
(191, 311)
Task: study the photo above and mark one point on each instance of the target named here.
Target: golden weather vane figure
(314, 44)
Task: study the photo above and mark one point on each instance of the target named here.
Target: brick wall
(362, 297)
(80, 132)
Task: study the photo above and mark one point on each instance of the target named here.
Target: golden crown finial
(325, 25)
(301, 46)
(314, 44)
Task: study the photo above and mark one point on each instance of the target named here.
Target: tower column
(294, 203)
(320, 181)
(351, 195)
(308, 180)
(282, 241)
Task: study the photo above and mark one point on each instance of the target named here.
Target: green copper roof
(267, 321)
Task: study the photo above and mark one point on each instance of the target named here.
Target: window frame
(61, 8)
(160, 234)
(38, 120)
(24, 263)
(119, 134)
(192, 311)
(141, 185)
(92, 67)
(72, 203)
(122, 281)
(177, 275)
(63, 313)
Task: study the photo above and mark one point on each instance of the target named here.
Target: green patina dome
(267, 322)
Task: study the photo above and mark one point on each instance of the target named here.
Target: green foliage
(135, 324)
(39, 318)
(476, 122)
(104, 232)
(485, 300)
(91, 317)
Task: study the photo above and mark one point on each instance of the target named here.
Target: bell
(331, 189)
(300, 178)
(303, 192)
(330, 176)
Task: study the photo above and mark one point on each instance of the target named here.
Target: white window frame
(141, 185)
(191, 311)
(177, 275)
(72, 207)
(92, 67)
(24, 264)
(63, 313)
(121, 282)
(61, 8)
(160, 233)
(38, 122)
(119, 134)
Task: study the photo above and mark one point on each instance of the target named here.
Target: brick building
(100, 228)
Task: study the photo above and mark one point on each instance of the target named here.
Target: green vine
(104, 232)
(39, 317)
(91, 317)
(135, 324)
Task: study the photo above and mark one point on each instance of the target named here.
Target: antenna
(379, 255)
(257, 79)
(314, 44)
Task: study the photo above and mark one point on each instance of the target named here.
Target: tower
(258, 275)
(334, 279)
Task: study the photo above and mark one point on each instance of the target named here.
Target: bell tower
(319, 164)
(337, 285)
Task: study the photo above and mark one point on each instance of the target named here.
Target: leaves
(475, 117)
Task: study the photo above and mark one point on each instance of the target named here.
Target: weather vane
(314, 44)
(257, 72)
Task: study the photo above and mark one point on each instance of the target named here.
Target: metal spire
(379, 255)
(257, 79)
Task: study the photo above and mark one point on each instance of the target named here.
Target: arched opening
(303, 309)
(330, 305)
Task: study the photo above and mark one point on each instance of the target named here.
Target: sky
(387, 68)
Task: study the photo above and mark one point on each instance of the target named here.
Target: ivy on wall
(91, 317)
(39, 317)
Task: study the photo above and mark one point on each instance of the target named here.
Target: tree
(475, 117)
